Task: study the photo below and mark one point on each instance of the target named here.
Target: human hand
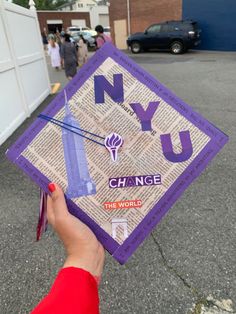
(81, 245)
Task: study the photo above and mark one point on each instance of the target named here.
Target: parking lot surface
(187, 265)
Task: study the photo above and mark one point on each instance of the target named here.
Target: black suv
(176, 36)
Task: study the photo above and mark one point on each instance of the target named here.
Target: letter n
(187, 148)
(115, 91)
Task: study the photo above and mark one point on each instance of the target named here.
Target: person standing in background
(58, 38)
(82, 51)
(69, 57)
(44, 40)
(54, 53)
(101, 37)
(59, 42)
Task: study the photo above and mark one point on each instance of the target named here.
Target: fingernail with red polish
(51, 187)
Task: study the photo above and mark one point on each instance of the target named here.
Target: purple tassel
(42, 220)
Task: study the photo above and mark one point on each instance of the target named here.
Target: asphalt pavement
(188, 264)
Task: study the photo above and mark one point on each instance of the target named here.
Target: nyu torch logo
(124, 182)
(113, 142)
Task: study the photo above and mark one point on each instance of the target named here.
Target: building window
(80, 5)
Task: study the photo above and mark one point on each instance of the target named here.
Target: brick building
(141, 14)
(215, 18)
(53, 20)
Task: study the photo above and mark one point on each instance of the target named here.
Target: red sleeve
(74, 291)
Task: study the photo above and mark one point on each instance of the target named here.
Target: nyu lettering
(116, 92)
(145, 117)
(167, 148)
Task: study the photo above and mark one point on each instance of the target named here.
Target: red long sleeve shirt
(74, 291)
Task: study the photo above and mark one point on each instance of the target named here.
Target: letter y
(145, 117)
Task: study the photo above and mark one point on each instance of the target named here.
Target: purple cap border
(218, 140)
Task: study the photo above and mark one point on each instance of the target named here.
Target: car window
(186, 27)
(171, 28)
(154, 29)
(167, 28)
(74, 29)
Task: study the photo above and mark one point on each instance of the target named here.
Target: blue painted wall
(217, 19)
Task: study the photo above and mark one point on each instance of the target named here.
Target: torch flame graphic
(113, 142)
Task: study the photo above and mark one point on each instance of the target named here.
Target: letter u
(167, 147)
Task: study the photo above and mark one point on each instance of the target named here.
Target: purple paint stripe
(161, 208)
(57, 103)
(169, 97)
(42, 181)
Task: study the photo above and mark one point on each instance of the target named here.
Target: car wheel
(177, 47)
(136, 47)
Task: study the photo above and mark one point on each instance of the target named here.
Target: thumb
(57, 201)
